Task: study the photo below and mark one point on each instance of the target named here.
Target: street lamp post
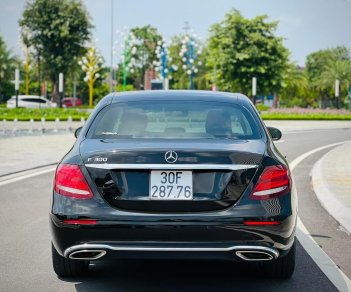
(190, 52)
(17, 84)
(162, 65)
(128, 59)
(91, 65)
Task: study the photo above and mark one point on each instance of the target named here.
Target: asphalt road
(25, 255)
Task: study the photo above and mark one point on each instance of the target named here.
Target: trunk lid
(221, 171)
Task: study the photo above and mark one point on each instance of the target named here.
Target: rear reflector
(273, 182)
(70, 182)
(81, 222)
(261, 223)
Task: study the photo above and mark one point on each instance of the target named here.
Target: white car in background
(30, 101)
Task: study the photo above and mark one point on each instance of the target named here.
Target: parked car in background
(30, 101)
(69, 102)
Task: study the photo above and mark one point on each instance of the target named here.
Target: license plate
(171, 185)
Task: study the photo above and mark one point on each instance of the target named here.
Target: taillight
(273, 182)
(261, 223)
(70, 181)
(81, 222)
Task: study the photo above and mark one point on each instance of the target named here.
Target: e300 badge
(97, 159)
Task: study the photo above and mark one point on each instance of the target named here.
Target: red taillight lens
(273, 182)
(261, 223)
(70, 182)
(81, 222)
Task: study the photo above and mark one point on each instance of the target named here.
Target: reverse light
(70, 181)
(274, 181)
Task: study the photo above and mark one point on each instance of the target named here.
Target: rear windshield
(174, 120)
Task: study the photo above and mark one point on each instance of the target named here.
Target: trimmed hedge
(50, 114)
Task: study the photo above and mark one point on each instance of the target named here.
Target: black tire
(66, 267)
(283, 267)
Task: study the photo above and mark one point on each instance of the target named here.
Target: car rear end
(70, 102)
(188, 177)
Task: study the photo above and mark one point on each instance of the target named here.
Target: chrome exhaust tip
(87, 254)
(255, 255)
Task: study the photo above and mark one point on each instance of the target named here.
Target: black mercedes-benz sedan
(174, 174)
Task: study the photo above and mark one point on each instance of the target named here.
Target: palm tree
(295, 87)
(336, 70)
(7, 66)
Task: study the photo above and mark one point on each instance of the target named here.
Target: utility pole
(111, 63)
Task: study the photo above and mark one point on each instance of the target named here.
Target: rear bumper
(172, 250)
(193, 240)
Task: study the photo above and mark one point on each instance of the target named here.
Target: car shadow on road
(181, 275)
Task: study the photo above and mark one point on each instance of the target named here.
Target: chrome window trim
(173, 166)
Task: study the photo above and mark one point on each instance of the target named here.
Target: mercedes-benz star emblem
(171, 156)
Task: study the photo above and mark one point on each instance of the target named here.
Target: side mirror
(275, 133)
(77, 132)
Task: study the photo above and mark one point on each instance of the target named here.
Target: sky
(305, 25)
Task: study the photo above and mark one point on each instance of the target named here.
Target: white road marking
(324, 262)
(296, 161)
(22, 177)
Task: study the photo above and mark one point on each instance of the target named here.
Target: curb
(327, 198)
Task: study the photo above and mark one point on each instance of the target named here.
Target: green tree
(57, 30)
(324, 67)
(296, 90)
(147, 38)
(242, 48)
(8, 63)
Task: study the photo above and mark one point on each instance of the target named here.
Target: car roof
(179, 95)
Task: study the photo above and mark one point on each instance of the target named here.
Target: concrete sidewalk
(26, 152)
(331, 179)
